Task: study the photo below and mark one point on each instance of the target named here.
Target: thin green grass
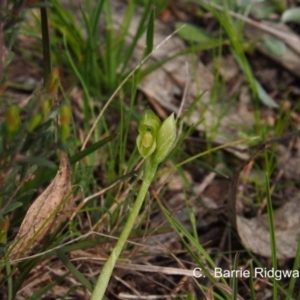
(272, 231)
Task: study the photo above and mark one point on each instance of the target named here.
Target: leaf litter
(46, 213)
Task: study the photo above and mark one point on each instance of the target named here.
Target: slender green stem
(107, 269)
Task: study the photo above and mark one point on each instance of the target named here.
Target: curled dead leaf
(47, 212)
(255, 232)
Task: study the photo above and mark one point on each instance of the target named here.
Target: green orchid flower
(166, 138)
(156, 139)
(148, 129)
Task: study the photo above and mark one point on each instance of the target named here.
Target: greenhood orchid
(156, 139)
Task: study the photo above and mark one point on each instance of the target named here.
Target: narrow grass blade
(65, 23)
(232, 30)
(89, 66)
(140, 30)
(187, 239)
(180, 229)
(111, 61)
(123, 32)
(272, 234)
(38, 161)
(80, 78)
(293, 279)
(150, 34)
(234, 279)
(40, 293)
(251, 283)
(94, 24)
(74, 270)
(9, 277)
(11, 207)
(91, 149)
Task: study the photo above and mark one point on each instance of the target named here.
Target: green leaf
(256, 87)
(264, 97)
(38, 161)
(193, 33)
(11, 207)
(94, 147)
(291, 15)
(274, 46)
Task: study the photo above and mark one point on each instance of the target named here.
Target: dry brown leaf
(47, 212)
(255, 232)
